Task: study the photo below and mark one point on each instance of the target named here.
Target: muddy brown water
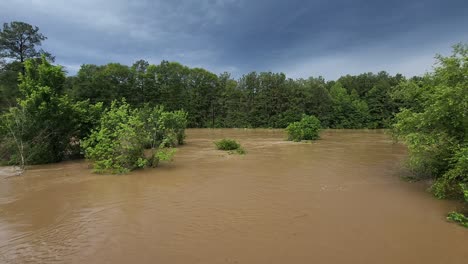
(337, 200)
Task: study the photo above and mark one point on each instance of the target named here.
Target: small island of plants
(230, 145)
(307, 128)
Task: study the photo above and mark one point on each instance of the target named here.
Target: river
(337, 200)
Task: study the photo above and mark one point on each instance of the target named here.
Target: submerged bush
(227, 144)
(457, 217)
(306, 129)
(174, 123)
(118, 144)
(162, 154)
(230, 145)
(240, 151)
(163, 128)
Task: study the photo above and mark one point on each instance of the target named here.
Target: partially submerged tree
(118, 143)
(45, 126)
(434, 123)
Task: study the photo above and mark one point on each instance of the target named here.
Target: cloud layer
(300, 38)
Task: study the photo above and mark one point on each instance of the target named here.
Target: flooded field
(337, 200)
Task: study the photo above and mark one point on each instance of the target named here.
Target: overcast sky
(301, 38)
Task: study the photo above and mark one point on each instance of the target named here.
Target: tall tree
(19, 41)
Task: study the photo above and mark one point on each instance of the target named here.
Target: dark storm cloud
(301, 38)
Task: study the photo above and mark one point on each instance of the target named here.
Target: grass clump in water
(240, 151)
(230, 145)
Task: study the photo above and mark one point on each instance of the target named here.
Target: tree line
(263, 99)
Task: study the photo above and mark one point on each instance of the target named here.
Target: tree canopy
(255, 100)
(19, 41)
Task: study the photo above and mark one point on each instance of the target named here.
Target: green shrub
(175, 123)
(163, 127)
(230, 145)
(306, 129)
(227, 144)
(162, 154)
(116, 146)
(458, 218)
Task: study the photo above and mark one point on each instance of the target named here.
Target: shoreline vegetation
(109, 114)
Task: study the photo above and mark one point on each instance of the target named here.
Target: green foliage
(230, 145)
(453, 182)
(9, 84)
(306, 129)
(166, 128)
(227, 144)
(255, 100)
(162, 154)
(349, 111)
(44, 127)
(117, 145)
(263, 99)
(464, 188)
(18, 41)
(103, 84)
(174, 123)
(88, 116)
(434, 123)
(458, 218)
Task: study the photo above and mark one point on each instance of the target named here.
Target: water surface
(337, 200)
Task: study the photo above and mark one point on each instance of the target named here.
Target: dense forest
(48, 114)
(255, 100)
(263, 99)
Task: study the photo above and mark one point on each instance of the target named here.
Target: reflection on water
(337, 200)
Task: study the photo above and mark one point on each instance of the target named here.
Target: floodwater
(337, 200)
